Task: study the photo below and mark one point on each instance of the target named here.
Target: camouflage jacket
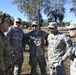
(5, 52)
(72, 55)
(57, 46)
(15, 36)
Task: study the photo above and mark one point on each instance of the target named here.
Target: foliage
(73, 9)
(28, 7)
(33, 8)
(25, 24)
(45, 23)
(55, 9)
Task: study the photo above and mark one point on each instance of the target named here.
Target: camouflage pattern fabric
(36, 42)
(57, 70)
(57, 46)
(5, 55)
(34, 60)
(15, 36)
(72, 55)
(17, 60)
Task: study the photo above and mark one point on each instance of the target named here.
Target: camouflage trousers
(2, 73)
(34, 60)
(58, 70)
(17, 60)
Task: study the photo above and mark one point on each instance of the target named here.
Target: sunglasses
(18, 22)
(51, 28)
(72, 29)
(34, 26)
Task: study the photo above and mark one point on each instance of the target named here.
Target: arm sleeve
(68, 42)
(7, 56)
(23, 44)
(46, 36)
(27, 39)
(9, 35)
(48, 43)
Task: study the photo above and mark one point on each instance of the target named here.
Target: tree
(25, 24)
(55, 9)
(61, 17)
(34, 9)
(31, 8)
(73, 9)
(45, 23)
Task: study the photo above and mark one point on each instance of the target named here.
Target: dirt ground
(26, 67)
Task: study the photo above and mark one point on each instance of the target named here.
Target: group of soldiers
(13, 43)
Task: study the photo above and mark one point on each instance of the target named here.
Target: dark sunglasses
(18, 22)
(72, 29)
(51, 28)
(34, 26)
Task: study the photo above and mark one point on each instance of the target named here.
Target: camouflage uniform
(72, 56)
(72, 52)
(15, 36)
(57, 46)
(37, 40)
(5, 49)
(5, 54)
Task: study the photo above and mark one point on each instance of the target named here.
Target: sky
(7, 7)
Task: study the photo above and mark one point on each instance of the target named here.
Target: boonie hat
(53, 25)
(4, 17)
(35, 23)
(72, 25)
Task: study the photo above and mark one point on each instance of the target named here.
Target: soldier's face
(72, 32)
(53, 30)
(17, 24)
(5, 26)
(36, 27)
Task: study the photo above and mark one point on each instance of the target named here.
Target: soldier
(37, 44)
(5, 48)
(72, 53)
(15, 36)
(57, 43)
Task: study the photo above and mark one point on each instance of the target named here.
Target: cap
(72, 25)
(3, 17)
(35, 23)
(17, 19)
(53, 25)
